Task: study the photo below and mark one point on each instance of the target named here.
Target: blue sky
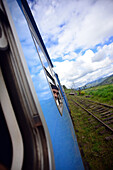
(78, 36)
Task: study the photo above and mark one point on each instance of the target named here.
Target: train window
(51, 77)
(42, 54)
(55, 90)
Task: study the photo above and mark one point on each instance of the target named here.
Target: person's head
(55, 91)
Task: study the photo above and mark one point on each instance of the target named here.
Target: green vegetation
(103, 94)
(97, 153)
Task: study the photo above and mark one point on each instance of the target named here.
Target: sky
(78, 35)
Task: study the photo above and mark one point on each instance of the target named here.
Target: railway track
(101, 112)
(94, 129)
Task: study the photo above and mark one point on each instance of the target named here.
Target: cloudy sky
(78, 35)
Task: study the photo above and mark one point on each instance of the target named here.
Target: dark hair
(54, 87)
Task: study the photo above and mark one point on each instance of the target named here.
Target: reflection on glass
(36, 58)
(50, 75)
(30, 52)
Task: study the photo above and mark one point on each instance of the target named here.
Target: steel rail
(106, 105)
(94, 116)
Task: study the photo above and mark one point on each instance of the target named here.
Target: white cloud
(87, 57)
(82, 23)
(68, 28)
(86, 68)
(107, 50)
(70, 56)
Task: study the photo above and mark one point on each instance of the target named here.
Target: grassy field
(97, 153)
(103, 94)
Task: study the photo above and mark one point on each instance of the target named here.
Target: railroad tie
(109, 138)
(107, 115)
(108, 118)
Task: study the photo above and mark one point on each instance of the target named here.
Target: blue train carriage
(38, 130)
(62, 92)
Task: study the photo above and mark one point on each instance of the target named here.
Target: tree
(79, 91)
(64, 87)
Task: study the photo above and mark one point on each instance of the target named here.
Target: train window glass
(50, 75)
(28, 48)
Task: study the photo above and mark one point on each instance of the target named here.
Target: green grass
(97, 151)
(102, 94)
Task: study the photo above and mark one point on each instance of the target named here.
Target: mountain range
(101, 81)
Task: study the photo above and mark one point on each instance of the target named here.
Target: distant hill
(101, 81)
(95, 83)
(108, 80)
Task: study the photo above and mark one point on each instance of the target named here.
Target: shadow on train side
(36, 129)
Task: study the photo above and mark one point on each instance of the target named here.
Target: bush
(82, 93)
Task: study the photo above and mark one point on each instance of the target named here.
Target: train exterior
(36, 128)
